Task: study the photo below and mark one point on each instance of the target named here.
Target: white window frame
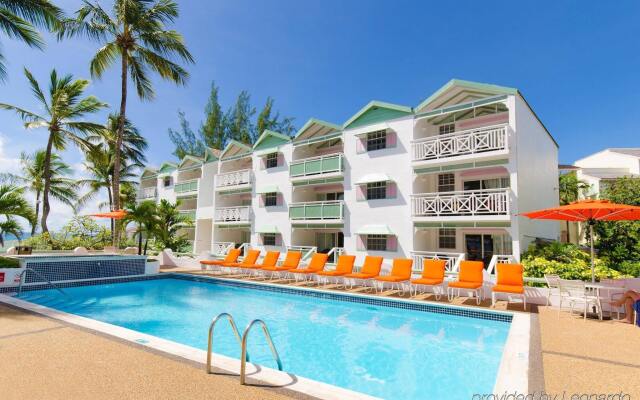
(376, 140)
(447, 235)
(378, 242)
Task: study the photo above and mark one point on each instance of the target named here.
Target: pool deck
(567, 355)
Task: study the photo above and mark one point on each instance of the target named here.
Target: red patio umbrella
(588, 211)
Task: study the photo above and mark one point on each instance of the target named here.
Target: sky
(576, 63)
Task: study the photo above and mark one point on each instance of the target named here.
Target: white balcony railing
(453, 259)
(472, 141)
(147, 193)
(233, 178)
(221, 248)
(233, 214)
(474, 202)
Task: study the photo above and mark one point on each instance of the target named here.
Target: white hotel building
(447, 177)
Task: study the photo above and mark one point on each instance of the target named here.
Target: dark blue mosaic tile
(64, 269)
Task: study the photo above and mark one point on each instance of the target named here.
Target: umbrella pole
(593, 266)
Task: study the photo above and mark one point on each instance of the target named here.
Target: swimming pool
(375, 347)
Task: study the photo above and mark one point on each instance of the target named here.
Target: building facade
(445, 179)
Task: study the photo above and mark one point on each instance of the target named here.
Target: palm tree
(135, 33)
(62, 116)
(133, 143)
(31, 179)
(99, 164)
(144, 215)
(169, 222)
(13, 204)
(19, 19)
(569, 189)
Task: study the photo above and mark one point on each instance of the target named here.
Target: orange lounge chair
(249, 259)
(317, 263)
(470, 279)
(270, 260)
(231, 257)
(510, 281)
(400, 273)
(343, 267)
(370, 269)
(291, 261)
(432, 276)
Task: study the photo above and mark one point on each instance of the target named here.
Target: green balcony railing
(317, 210)
(186, 187)
(316, 165)
(190, 213)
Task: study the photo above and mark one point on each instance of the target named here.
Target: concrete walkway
(41, 358)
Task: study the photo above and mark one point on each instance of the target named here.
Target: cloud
(8, 163)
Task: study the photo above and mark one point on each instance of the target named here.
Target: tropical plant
(169, 222)
(144, 216)
(31, 179)
(570, 188)
(62, 117)
(19, 20)
(219, 127)
(136, 34)
(13, 204)
(619, 241)
(80, 231)
(100, 155)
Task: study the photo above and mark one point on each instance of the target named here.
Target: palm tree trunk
(120, 133)
(35, 220)
(110, 208)
(47, 184)
(139, 239)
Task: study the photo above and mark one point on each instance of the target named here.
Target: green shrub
(631, 268)
(7, 262)
(537, 267)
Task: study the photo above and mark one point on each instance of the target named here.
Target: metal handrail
(243, 360)
(210, 340)
(41, 277)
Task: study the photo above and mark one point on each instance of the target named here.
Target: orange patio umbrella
(589, 211)
(117, 214)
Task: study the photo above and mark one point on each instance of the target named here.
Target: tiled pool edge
(270, 376)
(512, 376)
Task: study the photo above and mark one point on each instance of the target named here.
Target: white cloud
(8, 162)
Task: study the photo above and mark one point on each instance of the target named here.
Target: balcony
(187, 187)
(486, 142)
(147, 193)
(234, 180)
(189, 213)
(233, 215)
(323, 166)
(489, 204)
(317, 211)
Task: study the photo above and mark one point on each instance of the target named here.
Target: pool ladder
(242, 341)
(21, 278)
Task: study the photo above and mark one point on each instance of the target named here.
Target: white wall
(396, 213)
(536, 160)
(278, 215)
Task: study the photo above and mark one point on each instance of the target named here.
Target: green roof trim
(270, 139)
(167, 168)
(268, 229)
(187, 158)
(211, 155)
(468, 85)
(232, 144)
(149, 173)
(315, 121)
(376, 111)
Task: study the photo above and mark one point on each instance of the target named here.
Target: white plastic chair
(575, 291)
(552, 283)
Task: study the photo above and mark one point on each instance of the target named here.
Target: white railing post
(498, 258)
(475, 202)
(452, 259)
(234, 178)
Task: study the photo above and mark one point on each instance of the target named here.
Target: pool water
(387, 352)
